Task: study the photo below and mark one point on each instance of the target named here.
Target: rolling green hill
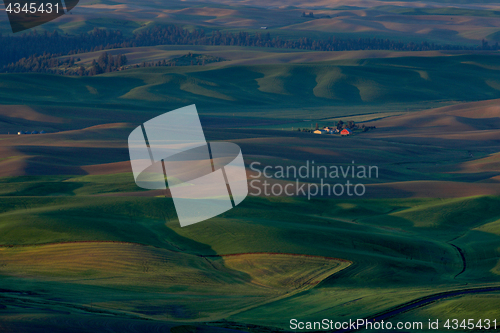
(84, 249)
(405, 81)
(79, 228)
(394, 256)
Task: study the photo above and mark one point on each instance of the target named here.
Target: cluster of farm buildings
(333, 130)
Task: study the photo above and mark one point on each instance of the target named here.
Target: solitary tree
(340, 123)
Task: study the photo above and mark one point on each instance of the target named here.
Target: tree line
(46, 63)
(190, 59)
(52, 64)
(106, 63)
(53, 44)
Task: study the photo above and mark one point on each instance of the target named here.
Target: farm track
(420, 302)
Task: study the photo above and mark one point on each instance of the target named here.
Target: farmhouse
(330, 130)
(319, 131)
(345, 132)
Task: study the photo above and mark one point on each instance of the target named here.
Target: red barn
(345, 131)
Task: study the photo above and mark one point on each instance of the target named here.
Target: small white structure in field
(20, 133)
(263, 28)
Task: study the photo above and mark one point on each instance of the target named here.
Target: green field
(405, 82)
(400, 250)
(84, 249)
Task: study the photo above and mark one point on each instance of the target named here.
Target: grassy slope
(401, 248)
(392, 249)
(359, 82)
(154, 271)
